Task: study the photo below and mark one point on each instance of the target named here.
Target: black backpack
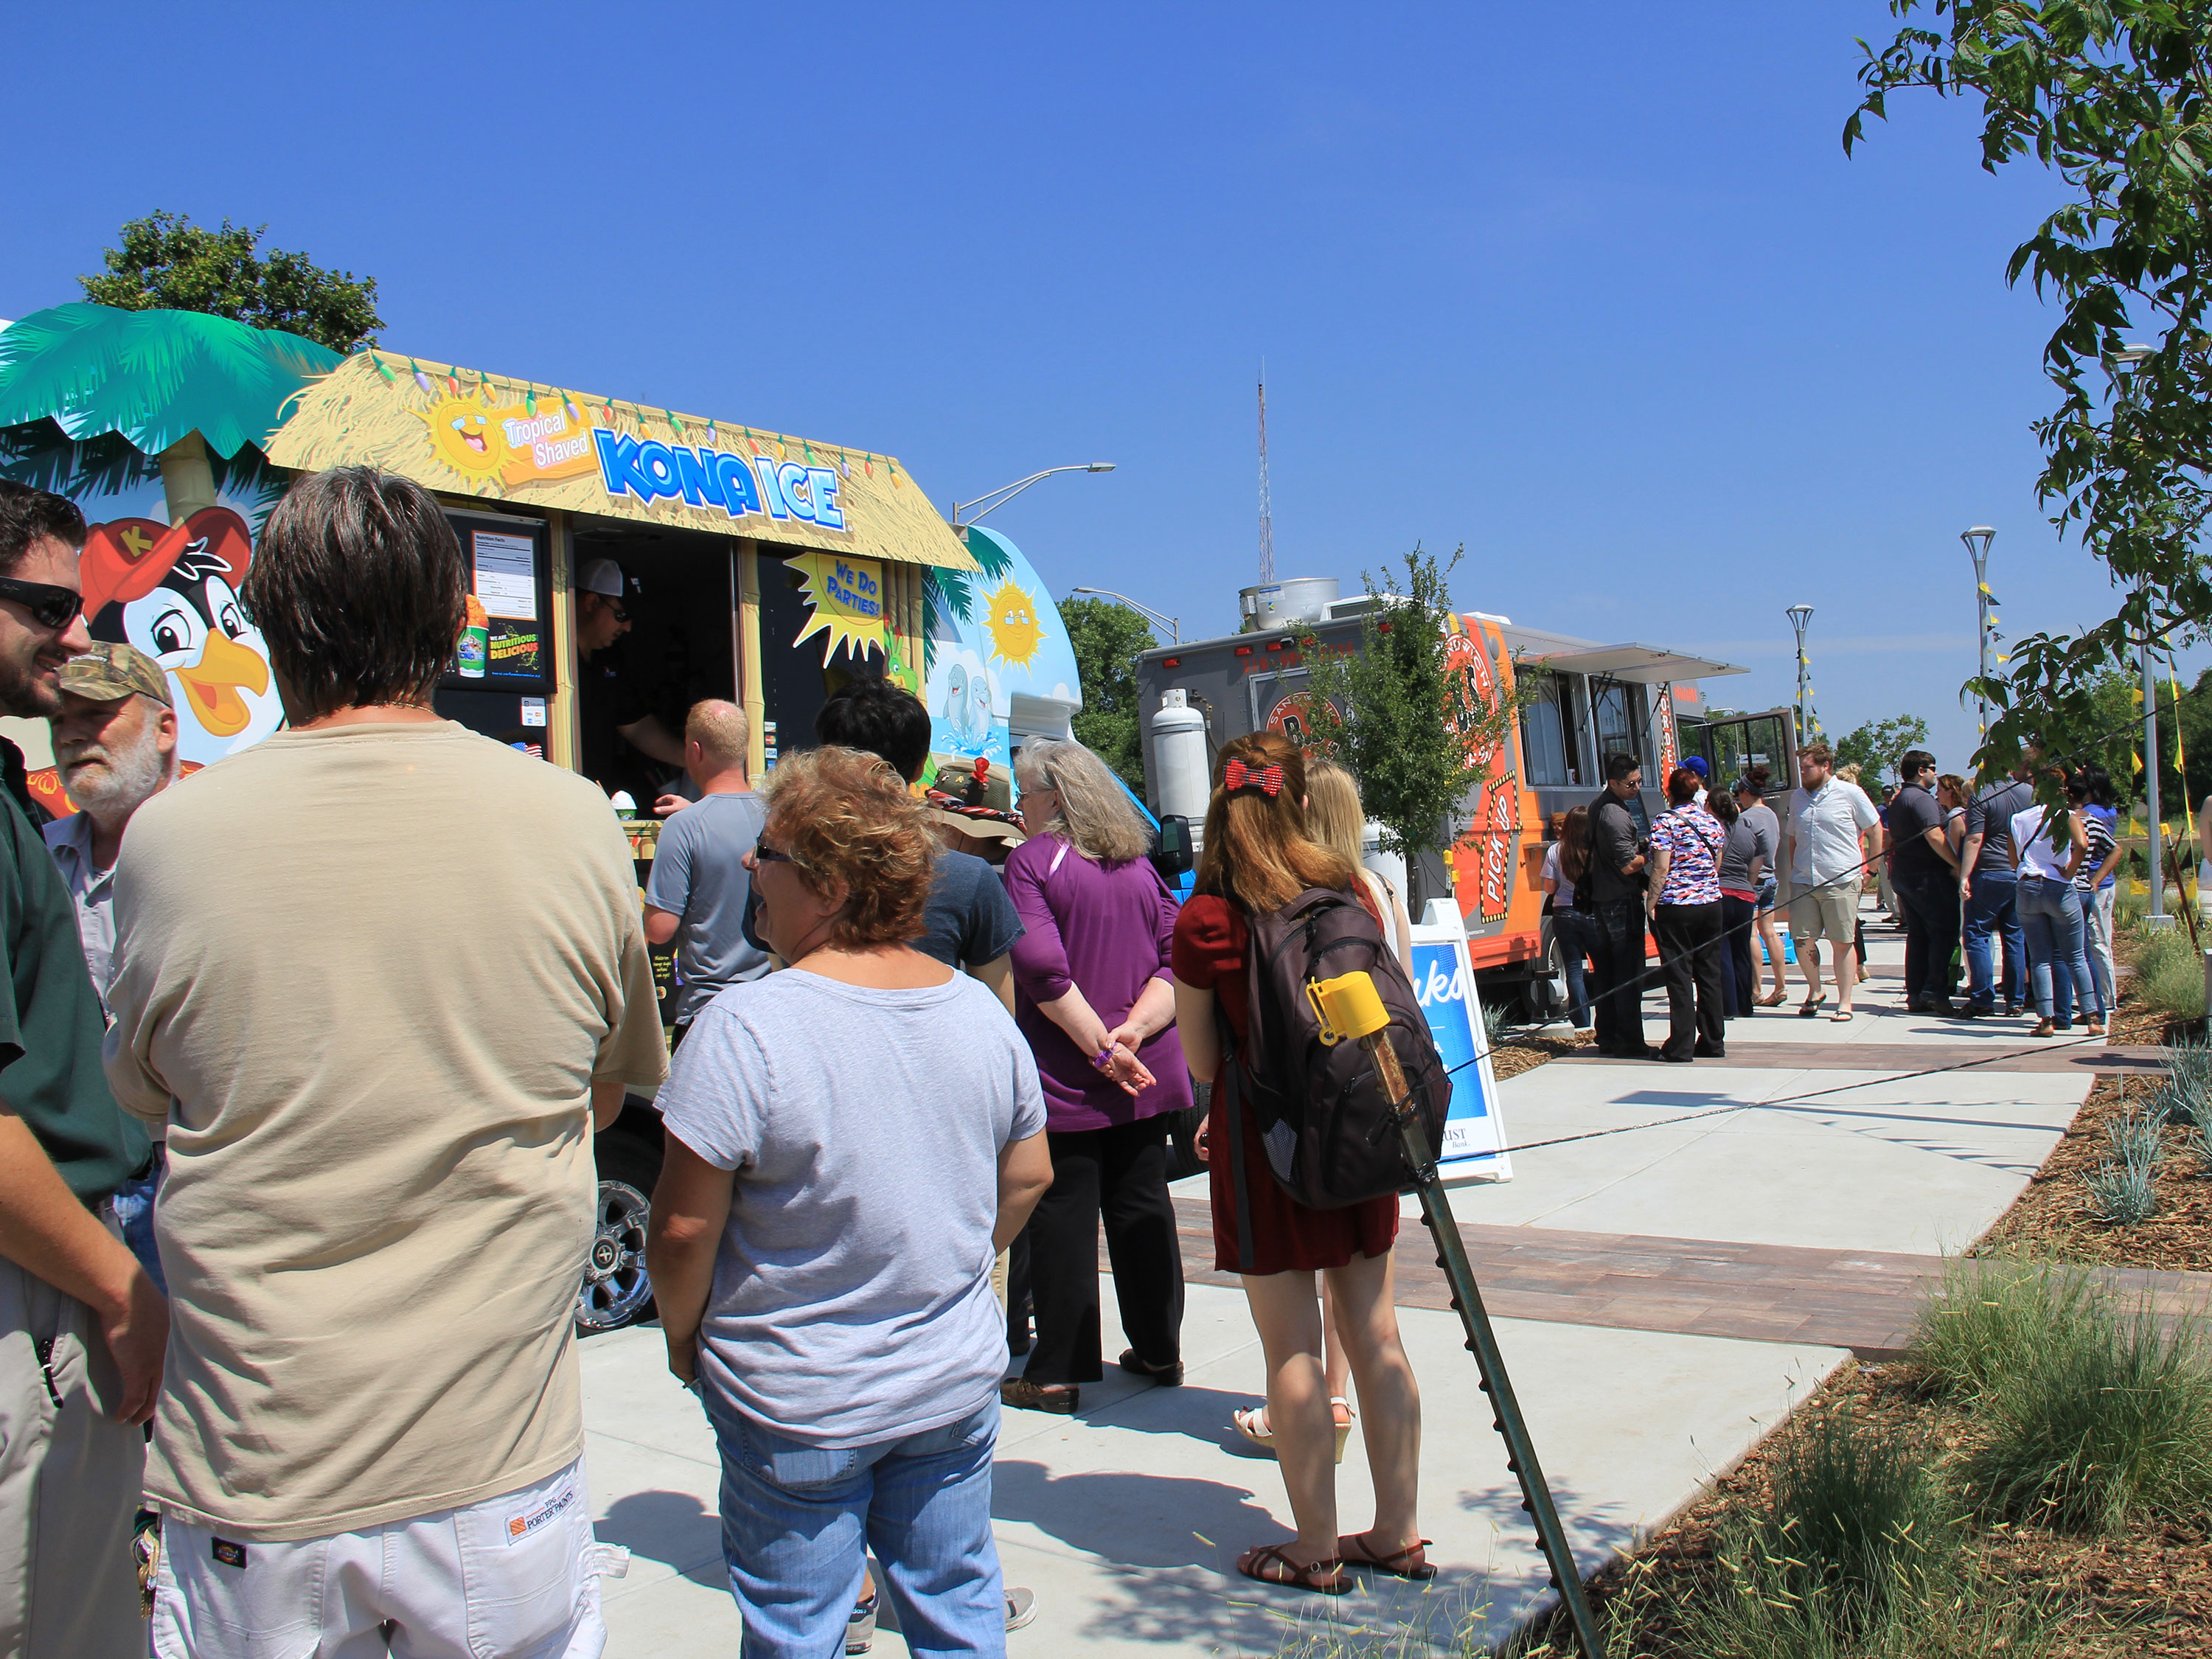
(1321, 1110)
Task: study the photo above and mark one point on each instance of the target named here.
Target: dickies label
(228, 1553)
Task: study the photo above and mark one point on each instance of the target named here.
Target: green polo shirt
(50, 1028)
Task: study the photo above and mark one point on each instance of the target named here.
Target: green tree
(1876, 746)
(2195, 715)
(167, 262)
(1108, 639)
(2116, 98)
(1415, 735)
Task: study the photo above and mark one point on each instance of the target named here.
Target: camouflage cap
(110, 671)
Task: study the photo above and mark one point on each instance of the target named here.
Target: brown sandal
(1270, 1565)
(1411, 1562)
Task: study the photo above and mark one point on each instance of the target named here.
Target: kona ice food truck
(1593, 701)
(760, 567)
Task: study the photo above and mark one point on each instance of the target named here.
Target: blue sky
(1593, 290)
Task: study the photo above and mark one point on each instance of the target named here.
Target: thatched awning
(462, 433)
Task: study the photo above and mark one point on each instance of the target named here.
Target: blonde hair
(718, 726)
(1335, 816)
(1258, 853)
(1094, 817)
(846, 820)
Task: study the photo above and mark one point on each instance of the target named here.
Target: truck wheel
(616, 1290)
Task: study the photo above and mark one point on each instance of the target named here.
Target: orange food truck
(1595, 701)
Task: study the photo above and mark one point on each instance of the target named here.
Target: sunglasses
(50, 606)
(618, 613)
(764, 853)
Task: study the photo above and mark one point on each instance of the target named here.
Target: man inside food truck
(625, 746)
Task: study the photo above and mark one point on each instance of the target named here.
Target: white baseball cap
(601, 576)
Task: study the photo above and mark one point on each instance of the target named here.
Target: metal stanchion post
(1349, 1007)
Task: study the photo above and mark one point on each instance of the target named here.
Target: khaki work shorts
(1829, 911)
(70, 1480)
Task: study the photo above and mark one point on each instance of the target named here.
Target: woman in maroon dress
(1258, 858)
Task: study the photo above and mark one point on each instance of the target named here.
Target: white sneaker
(860, 1626)
(1021, 1608)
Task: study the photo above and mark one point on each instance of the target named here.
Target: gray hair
(1094, 816)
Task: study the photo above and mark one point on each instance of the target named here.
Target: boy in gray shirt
(699, 887)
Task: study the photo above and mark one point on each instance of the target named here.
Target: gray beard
(120, 788)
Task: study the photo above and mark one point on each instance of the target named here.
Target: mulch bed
(2051, 1219)
(1514, 1055)
(2147, 1596)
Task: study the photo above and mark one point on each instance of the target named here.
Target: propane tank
(1391, 866)
(1185, 779)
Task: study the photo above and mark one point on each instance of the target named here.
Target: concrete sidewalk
(1126, 1520)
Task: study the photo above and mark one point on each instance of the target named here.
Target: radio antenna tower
(1267, 506)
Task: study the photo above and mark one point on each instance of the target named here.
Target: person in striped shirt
(2089, 792)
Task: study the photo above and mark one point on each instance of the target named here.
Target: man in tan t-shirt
(379, 977)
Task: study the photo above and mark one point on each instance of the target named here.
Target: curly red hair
(847, 821)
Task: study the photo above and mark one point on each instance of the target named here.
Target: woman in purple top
(1094, 994)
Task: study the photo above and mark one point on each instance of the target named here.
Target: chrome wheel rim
(614, 1283)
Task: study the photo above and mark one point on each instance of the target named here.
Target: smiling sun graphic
(1011, 615)
(465, 437)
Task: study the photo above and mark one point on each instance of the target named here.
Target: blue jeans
(1577, 932)
(134, 1213)
(2059, 966)
(1990, 908)
(798, 1521)
(2097, 922)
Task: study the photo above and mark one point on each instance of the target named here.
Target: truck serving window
(1612, 713)
(1548, 748)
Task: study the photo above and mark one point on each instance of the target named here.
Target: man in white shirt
(115, 742)
(1830, 819)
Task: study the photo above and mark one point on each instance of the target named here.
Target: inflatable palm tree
(88, 391)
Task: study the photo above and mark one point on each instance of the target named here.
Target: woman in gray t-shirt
(1766, 830)
(850, 1142)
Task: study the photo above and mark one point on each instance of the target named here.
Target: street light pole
(1800, 617)
(2124, 362)
(2156, 920)
(999, 498)
(1977, 542)
(1175, 632)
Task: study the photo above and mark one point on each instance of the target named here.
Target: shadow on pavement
(1133, 1519)
(673, 1528)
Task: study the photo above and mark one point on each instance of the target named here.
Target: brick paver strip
(1999, 1054)
(1864, 1300)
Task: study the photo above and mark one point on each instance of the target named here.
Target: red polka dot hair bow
(1268, 780)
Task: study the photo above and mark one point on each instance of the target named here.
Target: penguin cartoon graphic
(172, 591)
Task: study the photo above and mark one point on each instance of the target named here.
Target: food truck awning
(1646, 665)
(464, 432)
